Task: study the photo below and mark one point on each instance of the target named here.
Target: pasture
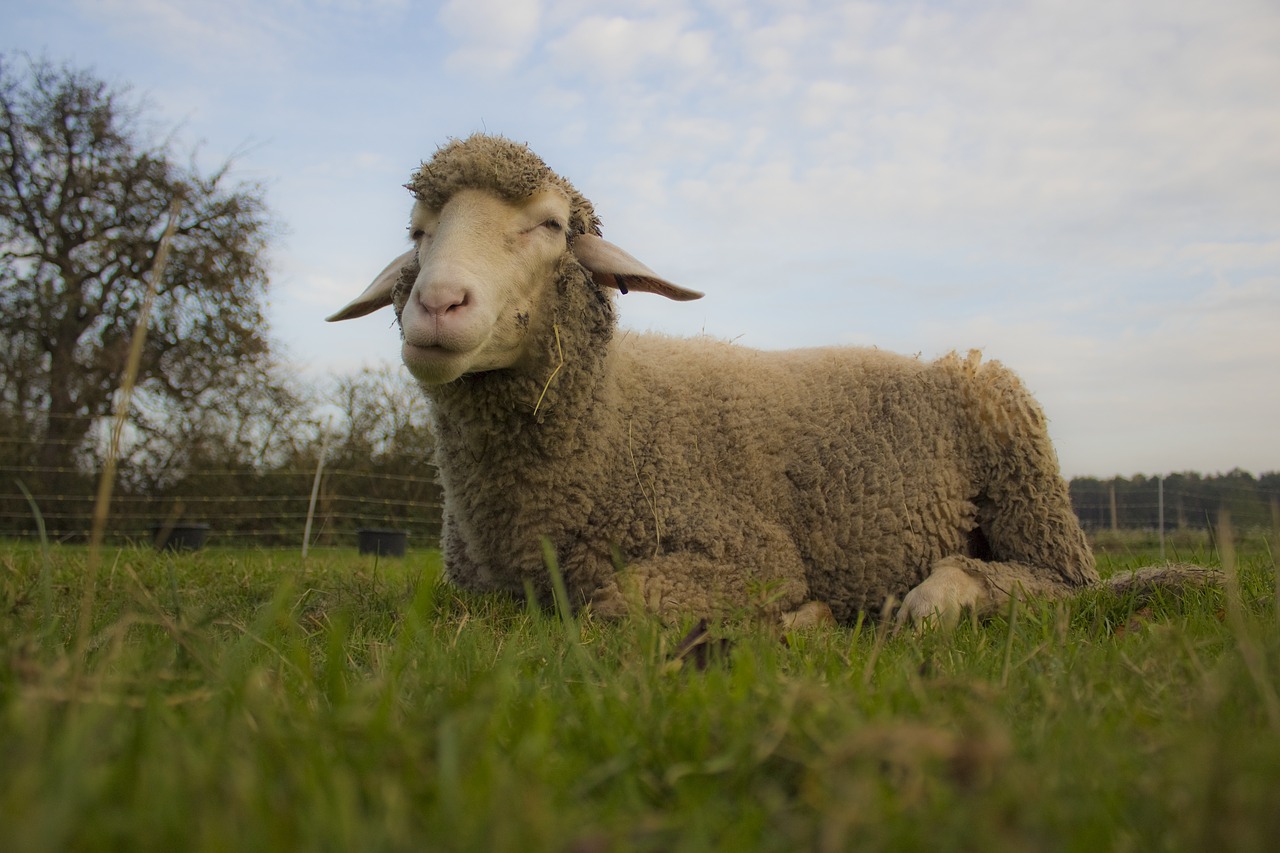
(248, 700)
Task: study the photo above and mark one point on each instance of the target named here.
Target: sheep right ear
(378, 294)
(612, 267)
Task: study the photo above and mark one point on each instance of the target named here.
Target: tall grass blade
(558, 591)
(46, 571)
(1008, 643)
(36, 514)
(1250, 649)
(102, 505)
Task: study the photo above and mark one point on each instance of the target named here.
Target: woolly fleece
(696, 477)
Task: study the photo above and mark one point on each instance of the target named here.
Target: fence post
(315, 490)
(1160, 503)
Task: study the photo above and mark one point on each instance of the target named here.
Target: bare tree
(383, 419)
(84, 194)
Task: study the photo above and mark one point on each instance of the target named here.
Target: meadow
(253, 700)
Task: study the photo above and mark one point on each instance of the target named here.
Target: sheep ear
(612, 267)
(378, 294)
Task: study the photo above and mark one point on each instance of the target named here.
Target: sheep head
(494, 230)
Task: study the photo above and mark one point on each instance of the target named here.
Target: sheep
(694, 477)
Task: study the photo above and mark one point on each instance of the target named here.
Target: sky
(1086, 190)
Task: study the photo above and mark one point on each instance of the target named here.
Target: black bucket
(179, 537)
(384, 543)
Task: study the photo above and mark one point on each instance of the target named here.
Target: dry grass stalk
(555, 327)
(102, 505)
(653, 507)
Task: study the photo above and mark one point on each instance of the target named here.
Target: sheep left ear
(612, 267)
(376, 295)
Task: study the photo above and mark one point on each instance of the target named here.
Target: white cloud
(212, 32)
(1217, 257)
(493, 35)
(1087, 189)
(1143, 383)
(1056, 119)
(617, 47)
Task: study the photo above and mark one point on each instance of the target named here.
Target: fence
(270, 508)
(1178, 502)
(249, 509)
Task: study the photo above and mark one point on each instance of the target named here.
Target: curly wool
(723, 477)
(695, 477)
(508, 169)
(863, 471)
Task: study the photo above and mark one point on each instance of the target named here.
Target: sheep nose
(439, 301)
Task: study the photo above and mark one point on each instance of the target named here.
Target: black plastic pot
(179, 537)
(384, 543)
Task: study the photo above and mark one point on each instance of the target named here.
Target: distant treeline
(1190, 500)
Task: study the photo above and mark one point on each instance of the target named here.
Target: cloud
(1084, 188)
(1136, 382)
(213, 32)
(492, 35)
(1241, 254)
(1050, 128)
(617, 47)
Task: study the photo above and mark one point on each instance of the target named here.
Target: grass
(250, 701)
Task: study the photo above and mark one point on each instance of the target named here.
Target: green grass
(248, 701)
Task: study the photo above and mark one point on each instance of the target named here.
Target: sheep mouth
(434, 343)
(434, 350)
(434, 364)
(436, 358)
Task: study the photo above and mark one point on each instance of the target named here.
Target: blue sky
(1086, 190)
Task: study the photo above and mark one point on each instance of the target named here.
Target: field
(248, 700)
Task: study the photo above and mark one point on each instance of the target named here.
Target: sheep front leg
(957, 584)
(1030, 540)
(1037, 550)
(941, 597)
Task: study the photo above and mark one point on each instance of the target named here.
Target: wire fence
(246, 509)
(1154, 504)
(272, 509)
(252, 507)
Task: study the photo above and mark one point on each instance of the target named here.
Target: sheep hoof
(811, 614)
(941, 598)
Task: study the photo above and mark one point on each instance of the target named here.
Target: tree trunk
(57, 482)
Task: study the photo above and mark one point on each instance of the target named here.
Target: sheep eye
(554, 225)
(417, 234)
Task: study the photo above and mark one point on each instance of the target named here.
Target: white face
(482, 264)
